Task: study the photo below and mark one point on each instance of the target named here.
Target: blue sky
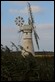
(43, 14)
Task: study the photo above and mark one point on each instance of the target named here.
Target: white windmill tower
(27, 29)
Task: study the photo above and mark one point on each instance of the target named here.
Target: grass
(16, 68)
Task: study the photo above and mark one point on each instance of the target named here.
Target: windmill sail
(36, 38)
(1, 45)
(7, 49)
(21, 47)
(14, 46)
(2, 48)
(31, 21)
(36, 34)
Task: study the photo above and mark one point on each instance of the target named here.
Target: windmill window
(26, 32)
(27, 47)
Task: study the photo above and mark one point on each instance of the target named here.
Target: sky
(43, 14)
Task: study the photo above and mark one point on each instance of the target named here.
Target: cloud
(46, 35)
(45, 31)
(18, 2)
(13, 11)
(45, 26)
(9, 29)
(35, 9)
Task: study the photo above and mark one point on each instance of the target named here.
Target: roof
(26, 27)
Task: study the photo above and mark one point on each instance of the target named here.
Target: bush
(16, 68)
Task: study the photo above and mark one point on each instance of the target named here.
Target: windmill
(27, 30)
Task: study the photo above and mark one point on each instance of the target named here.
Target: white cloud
(10, 33)
(45, 32)
(46, 35)
(45, 26)
(13, 11)
(18, 2)
(35, 9)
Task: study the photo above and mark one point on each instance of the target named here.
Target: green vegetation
(16, 68)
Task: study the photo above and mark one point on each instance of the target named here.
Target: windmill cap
(26, 27)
